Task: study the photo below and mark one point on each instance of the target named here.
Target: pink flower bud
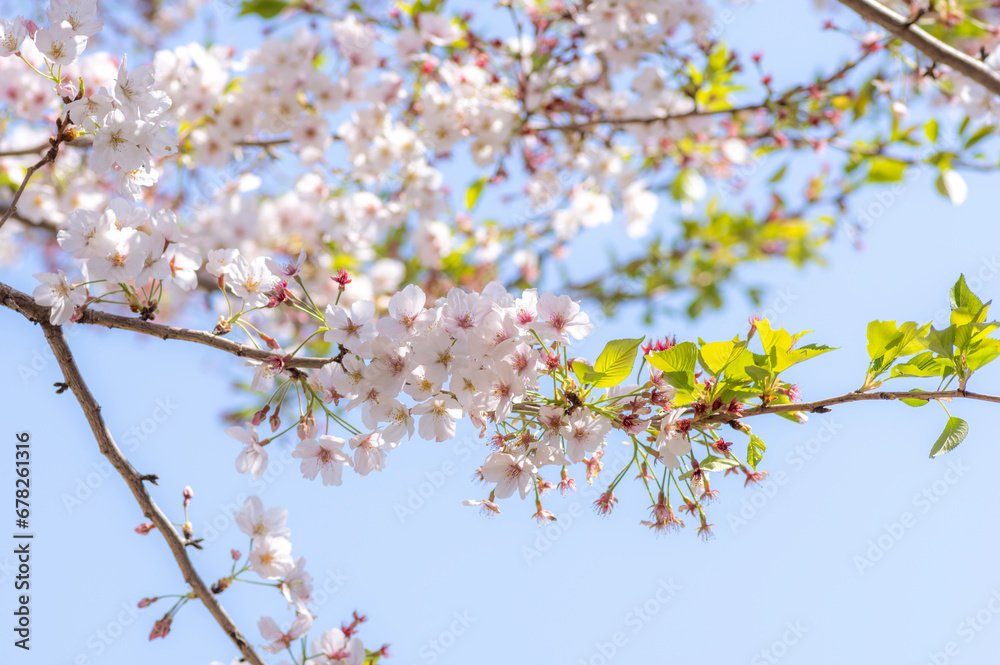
(307, 427)
(31, 26)
(188, 495)
(258, 417)
(145, 528)
(161, 628)
(146, 602)
(67, 90)
(235, 554)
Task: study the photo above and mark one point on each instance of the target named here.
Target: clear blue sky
(780, 582)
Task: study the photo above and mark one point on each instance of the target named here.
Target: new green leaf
(954, 432)
(615, 362)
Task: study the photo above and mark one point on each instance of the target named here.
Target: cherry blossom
(271, 557)
(324, 456)
(256, 522)
(57, 292)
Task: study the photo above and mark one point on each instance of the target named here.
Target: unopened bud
(188, 530)
(259, 417)
(307, 427)
(161, 628)
(188, 495)
(146, 602)
(145, 528)
(235, 554)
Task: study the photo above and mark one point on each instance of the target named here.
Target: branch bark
(23, 303)
(930, 46)
(134, 480)
(820, 406)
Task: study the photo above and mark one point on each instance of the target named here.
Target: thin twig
(49, 157)
(135, 483)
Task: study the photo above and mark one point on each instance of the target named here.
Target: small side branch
(135, 482)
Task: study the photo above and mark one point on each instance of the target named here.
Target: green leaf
(473, 192)
(931, 129)
(886, 169)
(886, 342)
(923, 365)
(729, 357)
(985, 352)
(979, 135)
(677, 364)
(615, 362)
(585, 373)
(755, 451)
(954, 433)
(961, 297)
(941, 342)
(913, 402)
(713, 463)
(263, 8)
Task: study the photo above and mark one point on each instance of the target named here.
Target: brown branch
(819, 406)
(23, 303)
(784, 99)
(934, 48)
(822, 405)
(49, 157)
(135, 483)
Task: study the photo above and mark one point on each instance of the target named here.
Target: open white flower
(325, 456)
(256, 522)
(438, 417)
(253, 457)
(55, 291)
(509, 473)
(271, 557)
(280, 641)
(353, 329)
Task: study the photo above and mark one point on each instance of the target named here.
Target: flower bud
(161, 628)
(188, 530)
(146, 602)
(188, 495)
(258, 417)
(235, 554)
(145, 528)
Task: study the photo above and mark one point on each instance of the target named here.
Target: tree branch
(783, 99)
(822, 405)
(134, 480)
(49, 157)
(930, 46)
(24, 304)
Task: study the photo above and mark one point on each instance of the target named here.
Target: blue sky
(858, 547)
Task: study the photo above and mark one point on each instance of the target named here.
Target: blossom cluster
(124, 246)
(128, 122)
(423, 367)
